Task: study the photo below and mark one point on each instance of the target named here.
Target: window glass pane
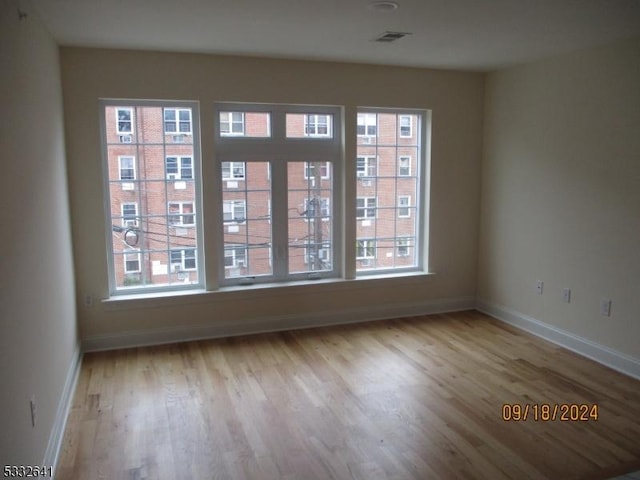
(245, 124)
(310, 217)
(246, 196)
(152, 194)
(309, 125)
(387, 191)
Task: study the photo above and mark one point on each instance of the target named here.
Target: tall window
(389, 200)
(155, 223)
(277, 192)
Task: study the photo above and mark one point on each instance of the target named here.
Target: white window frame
(370, 163)
(312, 122)
(180, 159)
(177, 121)
(133, 167)
(408, 159)
(130, 121)
(231, 175)
(231, 248)
(367, 120)
(281, 151)
(326, 167)
(233, 207)
(127, 253)
(404, 207)
(400, 126)
(366, 244)
(366, 207)
(230, 122)
(127, 222)
(183, 259)
(180, 213)
(402, 243)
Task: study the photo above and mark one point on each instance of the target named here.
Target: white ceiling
(459, 34)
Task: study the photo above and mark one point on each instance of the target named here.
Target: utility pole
(317, 216)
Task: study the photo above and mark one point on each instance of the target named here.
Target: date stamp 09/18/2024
(550, 412)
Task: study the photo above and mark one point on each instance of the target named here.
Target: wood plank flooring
(417, 398)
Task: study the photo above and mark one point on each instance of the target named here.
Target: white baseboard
(62, 414)
(587, 348)
(273, 324)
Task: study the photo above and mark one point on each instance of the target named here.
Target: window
(367, 125)
(181, 214)
(127, 166)
(235, 256)
(404, 202)
(317, 126)
(404, 122)
(179, 168)
(129, 214)
(366, 166)
(132, 262)
(183, 259)
(278, 222)
(234, 211)
(177, 121)
(404, 166)
(231, 124)
(124, 120)
(233, 170)
(365, 249)
(366, 207)
(389, 192)
(322, 168)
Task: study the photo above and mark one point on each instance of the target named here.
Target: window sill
(260, 290)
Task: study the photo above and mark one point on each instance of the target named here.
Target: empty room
(320, 240)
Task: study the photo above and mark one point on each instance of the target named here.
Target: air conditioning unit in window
(176, 267)
(366, 262)
(172, 176)
(367, 140)
(178, 139)
(365, 182)
(126, 139)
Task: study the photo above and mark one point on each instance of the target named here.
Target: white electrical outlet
(32, 407)
(605, 307)
(88, 301)
(566, 295)
(539, 286)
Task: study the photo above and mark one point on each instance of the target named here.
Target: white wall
(456, 101)
(38, 338)
(561, 193)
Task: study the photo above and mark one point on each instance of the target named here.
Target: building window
(318, 255)
(390, 190)
(129, 214)
(132, 262)
(367, 125)
(183, 259)
(317, 125)
(365, 249)
(177, 121)
(181, 214)
(404, 166)
(365, 207)
(404, 204)
(124, 121)
(179, 168)
(233, 170)
(232, 124)
(366, 166)
(127, 167)
(404, 121)
(234, 211)
(235, 256)
(323, 169)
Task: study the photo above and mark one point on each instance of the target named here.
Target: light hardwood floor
(415, 398)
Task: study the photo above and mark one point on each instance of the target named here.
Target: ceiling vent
(387, 37)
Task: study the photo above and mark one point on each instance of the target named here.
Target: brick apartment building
(152, 181)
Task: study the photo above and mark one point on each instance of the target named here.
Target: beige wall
(38, 336)
(455, 98)
(561, 192)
